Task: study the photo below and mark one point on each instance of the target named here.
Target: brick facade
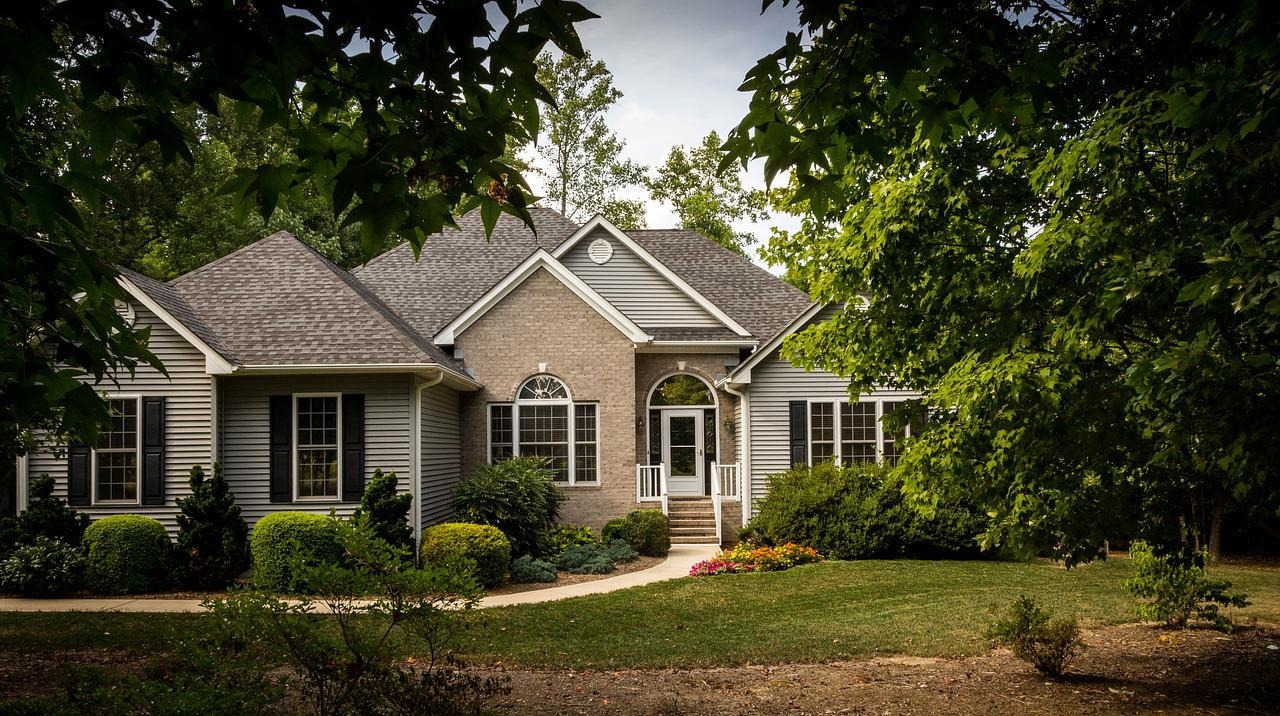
(543, 321)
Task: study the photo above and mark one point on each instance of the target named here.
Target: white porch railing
(729, 477)
(715, 499)
(651, 484)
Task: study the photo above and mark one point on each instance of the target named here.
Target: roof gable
(277, 302)
(540, 259)
(598, 223)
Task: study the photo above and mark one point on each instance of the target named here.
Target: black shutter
(153, 451)
(799, 413)
(78, 474)
(281, 467)
(352, 447)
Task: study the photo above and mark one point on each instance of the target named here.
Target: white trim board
(540, 259)
(214, 363)
(741, 375)
(599, 222)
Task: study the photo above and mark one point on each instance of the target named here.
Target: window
(115, 459)
(545, 422)
(822, 431)
(316, 446)
(681, 389)
(862, 437)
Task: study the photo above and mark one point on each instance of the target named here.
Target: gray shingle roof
(663, 333)
(458, 266)
(278, 302)
(177, 306)
(763, 303)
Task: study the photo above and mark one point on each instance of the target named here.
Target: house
(643, 365)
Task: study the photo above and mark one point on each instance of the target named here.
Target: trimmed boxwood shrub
(275, 539)
(858, 512)
(125, 554)
(647, 531)
(516, 495)
(480, 548)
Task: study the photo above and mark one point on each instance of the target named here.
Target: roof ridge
(741, 258)
(226, 257)
(404, 333)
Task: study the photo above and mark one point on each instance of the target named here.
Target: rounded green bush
(125, 554)
(455, 543)
(612, 530)
(648, 532)
(273, 542)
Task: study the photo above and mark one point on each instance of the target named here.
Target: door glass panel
(683, 432)
(684, 461)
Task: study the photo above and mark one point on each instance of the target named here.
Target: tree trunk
(1215, 526)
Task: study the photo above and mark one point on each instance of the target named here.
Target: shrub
(619, 551)
(45, 516)
(526, 569)
(562, 537)
(586, 559)
(45, 568)
(648, 532)
(387, 509)
(483, 548)
(612, 529)
(516, 495)
(212, 545)
(1179, 589)
(1044, 642)
(282, 538)
(125, 554)
(858, 512)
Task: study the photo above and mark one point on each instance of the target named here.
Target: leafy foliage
(388, 510)
(583, 160)
(392, 115)
(481, 550)
(526, 569)
(283, 539)
(46, 516)
(212, 544)
(647, 531)
(342, 647)
(1037, 638)
(1178, 589)
(518, 496)
(44, 568)
(859, 512)
(705, 198)
(562, 537)
(1060, 216)
(126, 554)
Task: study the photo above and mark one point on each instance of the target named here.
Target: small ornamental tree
(212, 535)
(387, 509)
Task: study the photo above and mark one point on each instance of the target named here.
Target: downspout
(744, 446)
(20, 485)
(415, 407)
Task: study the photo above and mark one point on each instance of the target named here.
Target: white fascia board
(599, 222)
(214, 363)
(659, 346)
(433, 369)
(742, 374)
(540, 259)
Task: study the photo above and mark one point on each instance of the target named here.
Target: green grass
(819, 612)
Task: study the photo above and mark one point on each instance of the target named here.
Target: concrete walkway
(677, 564)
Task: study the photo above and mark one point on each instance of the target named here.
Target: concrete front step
(693, 531)
(681, 539)
(707, 523)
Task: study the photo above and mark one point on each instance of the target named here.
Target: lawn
(821, 612)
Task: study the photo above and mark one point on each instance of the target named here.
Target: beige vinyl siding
(636, 288)
(441, 461)
(245, 445)
(187, 393)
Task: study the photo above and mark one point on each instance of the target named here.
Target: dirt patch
(565, 579)
(1125, 670)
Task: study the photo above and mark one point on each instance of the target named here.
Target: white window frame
(93, 455)
(293, 449)
(834, 405)
(838, 452)
(571, 407)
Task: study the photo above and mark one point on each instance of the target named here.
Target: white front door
(682, 451)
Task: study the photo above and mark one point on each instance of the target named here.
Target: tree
(1061, 214)
(387, 509)
(705, 198)
(212, 535)
(582, 157)
(376, 101)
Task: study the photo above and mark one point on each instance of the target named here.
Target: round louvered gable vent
(600, 251)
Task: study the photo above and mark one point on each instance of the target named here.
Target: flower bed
(743, 558)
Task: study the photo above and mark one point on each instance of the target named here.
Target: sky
(678, 64)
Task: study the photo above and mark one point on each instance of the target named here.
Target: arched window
(545, 422)
(681, 389)
(682, 406)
